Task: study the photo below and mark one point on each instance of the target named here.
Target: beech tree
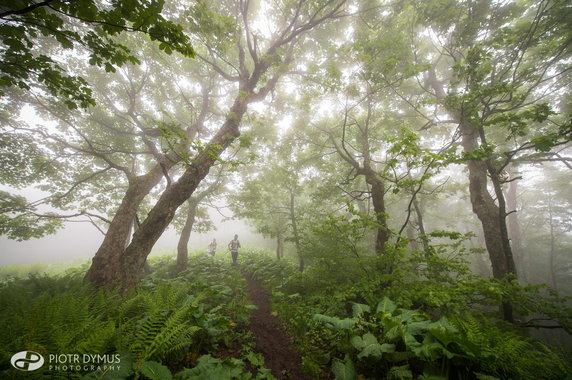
(491, 74)
(125, 144)
(368, 123)
(370, 109)
(255, 69)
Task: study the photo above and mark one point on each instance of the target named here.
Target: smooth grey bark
(421, 225)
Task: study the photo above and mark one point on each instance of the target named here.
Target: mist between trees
(340, 129)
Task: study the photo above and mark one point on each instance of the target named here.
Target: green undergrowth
(412, 316)
(188, 326)
(13, 272)
(403, 315)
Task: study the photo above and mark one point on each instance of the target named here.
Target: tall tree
(491, 74)
(257, 66)
(108, 158)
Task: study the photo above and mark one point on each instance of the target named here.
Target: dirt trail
(271, 339)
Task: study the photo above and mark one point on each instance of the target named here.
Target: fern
(53, 320)
(507, 354)
(161, 335)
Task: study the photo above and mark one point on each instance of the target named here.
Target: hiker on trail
(212, 247)
(233, 246)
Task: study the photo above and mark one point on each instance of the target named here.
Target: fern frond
(161, 335)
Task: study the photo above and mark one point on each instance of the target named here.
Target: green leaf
(344, 370)
(209, 368)
(400, 372)
(545, 143)
(155, 371)
(359, 309)
(336, 323)
(369, 346)
(386, 306)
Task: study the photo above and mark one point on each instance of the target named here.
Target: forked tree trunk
(115, 267)
(164, 210)
(492, 217)
(107, 258)
(183, 244)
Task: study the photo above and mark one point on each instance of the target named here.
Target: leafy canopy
(28, 28)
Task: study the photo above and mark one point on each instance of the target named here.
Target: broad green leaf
(155, 371)
(369, 346)
(344, 370)
(386, 306)
(336, 323)
(359, 309)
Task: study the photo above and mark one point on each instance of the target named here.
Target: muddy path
(271, 339)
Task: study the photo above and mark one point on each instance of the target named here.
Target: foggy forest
(344, 189)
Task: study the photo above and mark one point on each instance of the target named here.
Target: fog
(81, 240)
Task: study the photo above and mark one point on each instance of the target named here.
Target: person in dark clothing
(233, 246)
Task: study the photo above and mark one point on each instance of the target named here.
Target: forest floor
(271, 339)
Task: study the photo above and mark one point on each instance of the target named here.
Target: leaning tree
(229, 40)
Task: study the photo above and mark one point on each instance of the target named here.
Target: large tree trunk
(127, 274)
(183, 244)
(483, 266)
(107, 258)
(492, 217)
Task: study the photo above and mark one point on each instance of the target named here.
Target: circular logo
(27, 360)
